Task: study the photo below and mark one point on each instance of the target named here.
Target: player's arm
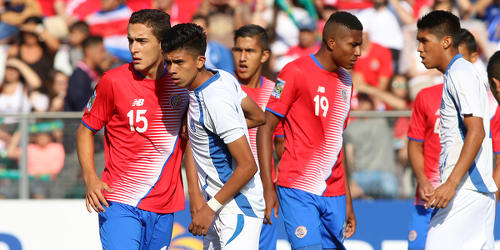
(496, 174)
(472, 144)
(196, 200)
(244, 171)
(265, 155)
(416, 154)
(279, 145)
(94, 186)
(350, 226)
(253, 113)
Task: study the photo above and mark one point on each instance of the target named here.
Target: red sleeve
(416, 131)
(285, 91)
(101, 105)
(495, 131)
(386, 62)
(279, 131)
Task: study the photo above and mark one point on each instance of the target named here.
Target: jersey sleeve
(285, 91)
(279, 131)
(495, 131)
(416, 131)
(224, 116)
(465, 91)
(101, 105)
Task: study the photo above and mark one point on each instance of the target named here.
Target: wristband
(214, 204)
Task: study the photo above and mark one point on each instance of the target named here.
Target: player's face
(144, 47)
(347, 47)
(183, 66)
(430, 49)
(248, 57)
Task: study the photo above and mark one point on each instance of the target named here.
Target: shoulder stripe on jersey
(210, 80)
(161, 172)
(239, 228)
(85, 124)
(415, 139)
(316, 61)
(274, 112)
(457, 56)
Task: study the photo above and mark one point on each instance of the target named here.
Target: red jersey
(424, 127)
(376, 63)
(495, 131)
(261, 97)
(315, 105)
(143, 149)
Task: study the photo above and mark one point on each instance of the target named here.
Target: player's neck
(201, 77)
(447, 58)
(89, 63)
(154, 72)
(325, 60)
(252, 82)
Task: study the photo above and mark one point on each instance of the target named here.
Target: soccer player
(313, 95)
(250, 52)
(466, 194)
(493, 70)
(226, 169)
(141, 110)
(424, 145)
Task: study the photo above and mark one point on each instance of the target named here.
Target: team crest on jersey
(175, 100)
(412, 236)
(442, 105)
(91, 101)
(192, 126)
(343, 93)
(278, 88)
(300, 232)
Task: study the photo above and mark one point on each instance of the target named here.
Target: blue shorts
(419, 224)
(125, 227)
(312, 221)
(269, 234)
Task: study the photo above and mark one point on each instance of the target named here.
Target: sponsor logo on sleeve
(278, 88)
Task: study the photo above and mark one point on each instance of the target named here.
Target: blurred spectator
(217, 56)
(307, 45)
(180, 11)
(70, 54)
(84, 78)
(58, 90)
(13, 13)
(36, 48)
(369, 155)
(383, 27)
(111, 22)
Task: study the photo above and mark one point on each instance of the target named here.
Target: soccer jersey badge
(343, 93)
(91, 101)
(412, 236)
(300, 232)
(278, 88)
(175, 100)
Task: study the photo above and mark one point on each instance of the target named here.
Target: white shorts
(466, 223)
(233, 231)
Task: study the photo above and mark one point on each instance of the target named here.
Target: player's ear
(200, 62)
(496, 83)
(330, 43)
(446, 42)
(265, 56)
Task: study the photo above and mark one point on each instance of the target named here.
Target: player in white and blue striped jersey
(226, 169)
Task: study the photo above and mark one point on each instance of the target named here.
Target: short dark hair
(252, 30)
(493, 67)
(187, 36)
(342, 18)
(440, 23)
(91, 41)
(466, 38)
(158, 20)
(81, 26)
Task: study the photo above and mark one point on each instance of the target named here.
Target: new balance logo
(138, 102)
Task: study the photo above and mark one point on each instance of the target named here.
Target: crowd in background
(52, 53)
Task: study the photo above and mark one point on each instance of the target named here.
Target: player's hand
(94, 197)
(350, 222)
(196, 201)
(202, 220)
(442, 196)
(271, 200)
(425, 190)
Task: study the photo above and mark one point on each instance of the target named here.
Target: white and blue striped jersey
(464, 92)
(215, 119)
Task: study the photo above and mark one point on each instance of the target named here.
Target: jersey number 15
(139, 117)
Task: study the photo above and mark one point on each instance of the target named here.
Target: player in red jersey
(313, 95)
(493, 70)
(142, 112)
(250, 52)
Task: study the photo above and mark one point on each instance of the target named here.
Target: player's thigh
(418, 226)
(237, 231)
(333, 218)
(120, 227)
(301, 217)
(464, 224)
(269, 234)
(157, 231)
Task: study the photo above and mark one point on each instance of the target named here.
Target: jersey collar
(452, 61)
(210, 80)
